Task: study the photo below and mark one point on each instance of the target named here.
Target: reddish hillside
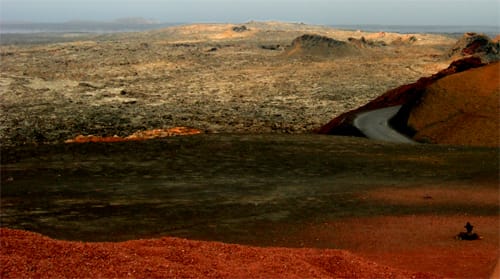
(406, 94)
(460, 109)
(458, 105)
(30, 255)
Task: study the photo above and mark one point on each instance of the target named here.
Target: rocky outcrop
(406, 95)
(479, 45)
(363, 43)
(240, 29)
(404, 40)
(320, 46)
(271, 47)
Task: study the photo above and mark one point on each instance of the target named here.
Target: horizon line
(159, 22)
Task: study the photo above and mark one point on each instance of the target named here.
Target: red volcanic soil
(460, 109)
(416, 243)
(458, 105)
(137, 136)
(407, 246)
(30, 255)
(406, 94)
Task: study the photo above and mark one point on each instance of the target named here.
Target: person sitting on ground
(469, 235)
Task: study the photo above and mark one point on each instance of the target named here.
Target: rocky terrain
(393, 209)
(458, 105)
(473, 44)
(217, 78)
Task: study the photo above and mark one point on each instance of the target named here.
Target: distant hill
(321, 46)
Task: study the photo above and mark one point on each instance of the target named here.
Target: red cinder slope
(461, 109)
(406, 95)
(30, 255)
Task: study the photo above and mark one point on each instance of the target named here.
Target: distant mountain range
(126, 20)
(131, 24)
(83, 26)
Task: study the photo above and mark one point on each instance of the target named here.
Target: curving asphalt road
(375, 125)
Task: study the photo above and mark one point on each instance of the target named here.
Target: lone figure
(468, 227)
(468, 235)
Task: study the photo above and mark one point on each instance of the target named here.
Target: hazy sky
(396, 12)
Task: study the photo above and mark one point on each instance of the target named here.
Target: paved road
(374, 124)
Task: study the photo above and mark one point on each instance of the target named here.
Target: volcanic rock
(271, 47)
(320, 46)
(363, 42)
(404, 40)
(473, 44)
(116, 85)
(240, 29)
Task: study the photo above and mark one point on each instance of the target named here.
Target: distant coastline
(121, 26)
(453, 30)
(79, 27)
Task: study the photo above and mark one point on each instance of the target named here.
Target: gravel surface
(29, 255)
(395, 204)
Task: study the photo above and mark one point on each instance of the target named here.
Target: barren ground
(396, 205)
(117, 84)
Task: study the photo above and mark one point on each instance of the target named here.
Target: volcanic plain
(253, 172)
(215, 78)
